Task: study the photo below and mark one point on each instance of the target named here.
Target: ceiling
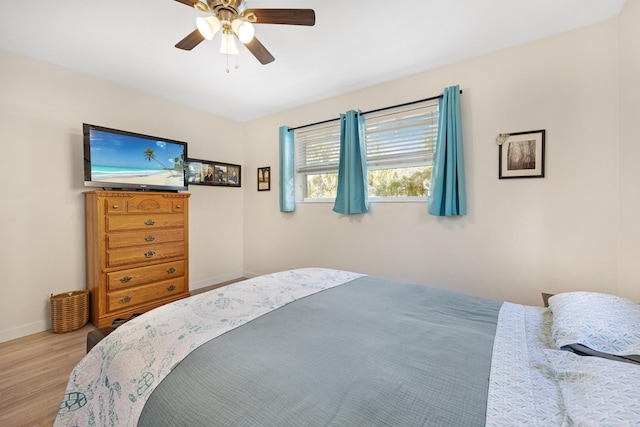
(354, 44)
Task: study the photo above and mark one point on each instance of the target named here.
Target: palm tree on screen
(150, 154)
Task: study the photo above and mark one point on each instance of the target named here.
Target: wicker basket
(69, 311)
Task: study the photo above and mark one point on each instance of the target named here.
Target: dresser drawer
(143, 204)
(178, 205)
(142, 238)
(115, 205)
(123, 279)
(138, 254)
(144, 222)
(128, 298)
(149, 203)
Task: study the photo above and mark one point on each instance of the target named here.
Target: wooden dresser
(137, 252)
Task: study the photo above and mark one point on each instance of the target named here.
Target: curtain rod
(371, 111)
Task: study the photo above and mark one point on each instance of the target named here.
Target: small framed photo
(264, 179)
(220, 174)
(206, 172)
(521, 155)
(233, 175)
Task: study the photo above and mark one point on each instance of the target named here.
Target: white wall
(42, 108)
(521, 236)
(629, 153)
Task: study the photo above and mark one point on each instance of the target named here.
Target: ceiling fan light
(208, 26)
(228, 45)
(243, 29)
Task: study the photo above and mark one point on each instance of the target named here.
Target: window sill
(373, 200)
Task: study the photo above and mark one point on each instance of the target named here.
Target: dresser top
(122, 193)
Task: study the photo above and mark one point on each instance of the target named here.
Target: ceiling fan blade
(259, 51)
(282, 16)
(192, 40)
(191, 3)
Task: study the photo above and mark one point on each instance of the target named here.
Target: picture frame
(522, 155)
(264, 178)
(206, 172)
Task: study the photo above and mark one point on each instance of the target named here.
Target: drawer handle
(149, 222)
(149, 254)
(179, 206)
(125, 299)
(171, 270)
(126, 279)
(150, 238)
(115, 206)
(171, 288)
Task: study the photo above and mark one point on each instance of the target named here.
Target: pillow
(601, 322)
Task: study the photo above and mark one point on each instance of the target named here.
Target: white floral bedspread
(533, 383)
(110, 386)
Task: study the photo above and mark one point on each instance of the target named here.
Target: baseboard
(214, 281)
(24, 330)
(250, 275)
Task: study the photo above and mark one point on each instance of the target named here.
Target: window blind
(318, 147)
(403, 135)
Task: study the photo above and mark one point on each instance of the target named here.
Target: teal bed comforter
(367, 353)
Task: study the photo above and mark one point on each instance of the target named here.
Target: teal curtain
(287, 169)
(352, 197)
(447, 193)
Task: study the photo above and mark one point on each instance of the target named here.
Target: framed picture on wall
(206, 172)
(521, 155)
(264, 179)
(233, 175)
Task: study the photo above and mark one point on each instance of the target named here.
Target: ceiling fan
(235, 20)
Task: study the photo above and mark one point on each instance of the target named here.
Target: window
(317, 151)
(400, 142)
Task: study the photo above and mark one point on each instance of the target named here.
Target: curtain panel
(447, 193)
(352, 197)
(287, 171)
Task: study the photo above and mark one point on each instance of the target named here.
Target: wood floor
(34, 371)
(33, 375)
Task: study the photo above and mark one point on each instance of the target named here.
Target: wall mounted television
(117, 159)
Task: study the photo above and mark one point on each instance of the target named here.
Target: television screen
(126, 160)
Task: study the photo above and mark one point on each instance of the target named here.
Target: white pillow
(602, 322)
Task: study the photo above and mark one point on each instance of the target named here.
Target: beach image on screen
(126, 159)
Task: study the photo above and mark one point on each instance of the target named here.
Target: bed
(324, 347)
